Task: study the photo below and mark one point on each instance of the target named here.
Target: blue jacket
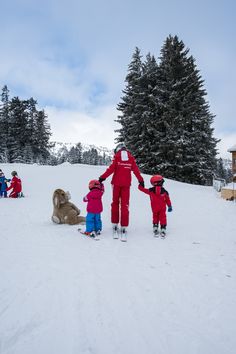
(3, 184)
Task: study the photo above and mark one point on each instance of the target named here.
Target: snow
(230, 186)
(232, 149)
(61, 292)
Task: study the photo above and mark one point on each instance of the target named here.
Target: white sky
(72, 56)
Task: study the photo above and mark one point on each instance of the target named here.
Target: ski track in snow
(63, 293)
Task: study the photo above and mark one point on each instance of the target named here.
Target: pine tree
(43, 135)
(223, 172)
(79, 150)
(187, 149)
(144, 142)
(63, 155)
(17, 138)
(31, 130)
(4, 123)
(131, 102)
(165, 120)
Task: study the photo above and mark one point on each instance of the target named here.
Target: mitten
(170, 208)
(101, 179)
(141, 183)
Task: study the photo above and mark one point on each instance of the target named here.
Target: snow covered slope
(62, 293)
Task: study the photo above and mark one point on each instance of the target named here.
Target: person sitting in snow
(159, 198)
(15, 186)
(3, 185)
(94, 208)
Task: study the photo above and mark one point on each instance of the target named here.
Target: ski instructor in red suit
(121, 167)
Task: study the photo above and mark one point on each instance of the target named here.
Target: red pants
(159, 217)
(120, 205)
(14, 194)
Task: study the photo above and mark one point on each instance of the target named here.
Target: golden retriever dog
(65, 212)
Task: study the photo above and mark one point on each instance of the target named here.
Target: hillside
(63, 293)
(60, 148)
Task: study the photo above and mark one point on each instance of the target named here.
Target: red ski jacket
(15, 185)
(159, 197)
(122, 165)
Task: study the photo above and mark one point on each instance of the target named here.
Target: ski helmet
(14, 173)
(119, 147)
(94, 184)
(157, 180)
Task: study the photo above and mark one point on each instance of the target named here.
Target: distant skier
(159, 198)
(121, 167)
(3, 185)
(15, 186)
(94, 208)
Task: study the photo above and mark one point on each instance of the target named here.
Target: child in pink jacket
(94, 208)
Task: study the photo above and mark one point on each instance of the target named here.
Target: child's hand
(170, 208)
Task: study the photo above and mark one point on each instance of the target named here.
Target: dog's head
(60, 197)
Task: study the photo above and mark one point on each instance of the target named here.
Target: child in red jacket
(15, 186)
(94, 208)
(159, 198)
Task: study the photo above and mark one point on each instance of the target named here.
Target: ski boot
(163, 232)
(115, 231)
(123, 234)
(155, 230)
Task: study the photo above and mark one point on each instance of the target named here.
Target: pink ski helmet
(94, 184)
(157, 180)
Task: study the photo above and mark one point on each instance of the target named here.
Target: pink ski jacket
(94, 200)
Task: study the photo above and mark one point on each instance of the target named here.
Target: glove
(101, 179)
(141, 183)
(170, 208)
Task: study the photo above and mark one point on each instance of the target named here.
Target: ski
(92, 236)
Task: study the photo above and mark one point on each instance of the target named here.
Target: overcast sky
(72, 57)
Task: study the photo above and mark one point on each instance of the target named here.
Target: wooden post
(234, 162)
(234, 180)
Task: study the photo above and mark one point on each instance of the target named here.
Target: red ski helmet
(157, 180)
(94, 183)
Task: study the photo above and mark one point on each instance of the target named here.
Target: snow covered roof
(233, 148)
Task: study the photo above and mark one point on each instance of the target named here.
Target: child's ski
(92, 235)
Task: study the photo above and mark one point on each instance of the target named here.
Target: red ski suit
(159, 198)
(122, 165)
(15, 186)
